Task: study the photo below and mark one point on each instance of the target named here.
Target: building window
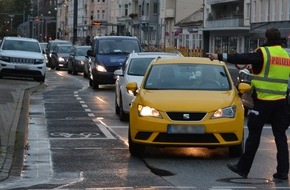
(103, 14)
(267, 12)
(282, 3)
(92, 15)
(141, 10)
(248, 9)
(147, 9)
(254, 12)
(260, 13)
(288, 10)
(155, 8)
(98, 14)
(196, 41)
(126, 10)
(274, 10)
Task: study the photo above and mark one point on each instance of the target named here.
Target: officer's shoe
(234, 168)
(280, 176)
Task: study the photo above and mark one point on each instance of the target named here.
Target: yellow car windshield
(187, 77)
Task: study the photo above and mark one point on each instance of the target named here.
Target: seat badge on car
(186, 116)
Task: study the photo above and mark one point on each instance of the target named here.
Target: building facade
(266, 14)
(226, 26)
(221, 26)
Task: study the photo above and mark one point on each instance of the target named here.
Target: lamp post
(11, 21)
(75, 20)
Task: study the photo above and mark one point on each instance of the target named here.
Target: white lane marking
(82, 102)
(88, 110)
(119, 127)
(63, 138)
(103, 127)
(84, 105)
(231, 187)
(80, 179)
(91, 115)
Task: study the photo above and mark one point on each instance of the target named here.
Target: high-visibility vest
(272, 82)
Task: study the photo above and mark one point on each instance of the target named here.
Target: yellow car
(186, 102)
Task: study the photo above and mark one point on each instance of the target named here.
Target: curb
(12, 156)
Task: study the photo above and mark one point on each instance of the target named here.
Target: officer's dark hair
(273, 36)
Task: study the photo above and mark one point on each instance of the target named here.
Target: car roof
(20, 38)
(57, 40)
(80, 46)
(64, 44)
(115, 37)
(153, 54)
(197, 60)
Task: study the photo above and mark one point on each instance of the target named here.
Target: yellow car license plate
(185, 129)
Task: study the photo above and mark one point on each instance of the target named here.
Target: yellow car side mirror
(244, 87)
(132, 88)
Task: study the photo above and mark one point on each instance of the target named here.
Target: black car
(77, 59)
(108, 54)
(51, 45)
(59, 56)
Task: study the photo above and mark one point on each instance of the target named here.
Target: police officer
(271, 70)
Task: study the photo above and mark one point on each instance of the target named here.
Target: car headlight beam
(146, 111)
(101, 68)
(228, 112)
(60, 59)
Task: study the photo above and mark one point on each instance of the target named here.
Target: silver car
(133, 71)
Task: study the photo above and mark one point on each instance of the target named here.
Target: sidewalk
(14, 118)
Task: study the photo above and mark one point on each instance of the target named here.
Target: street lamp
(75, 20)
(11, 19)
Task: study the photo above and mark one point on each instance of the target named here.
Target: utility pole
(75, 22)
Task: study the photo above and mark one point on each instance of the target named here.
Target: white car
(22, 57)
(133, 70)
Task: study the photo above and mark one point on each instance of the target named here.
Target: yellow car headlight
(146, 111)
(228, 112)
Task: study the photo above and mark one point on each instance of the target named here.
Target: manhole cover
(256, 181)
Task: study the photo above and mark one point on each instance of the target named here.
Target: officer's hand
(212, 56)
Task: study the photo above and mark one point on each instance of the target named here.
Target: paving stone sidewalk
(14, 106)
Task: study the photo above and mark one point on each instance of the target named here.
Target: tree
(13, 13)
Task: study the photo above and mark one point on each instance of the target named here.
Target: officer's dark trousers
(274, 112)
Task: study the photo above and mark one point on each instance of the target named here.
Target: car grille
(185, 116)
(186, 138)
(22, 60)
(112, 68)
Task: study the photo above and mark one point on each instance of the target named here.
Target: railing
(222, 23)
(219, 1)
